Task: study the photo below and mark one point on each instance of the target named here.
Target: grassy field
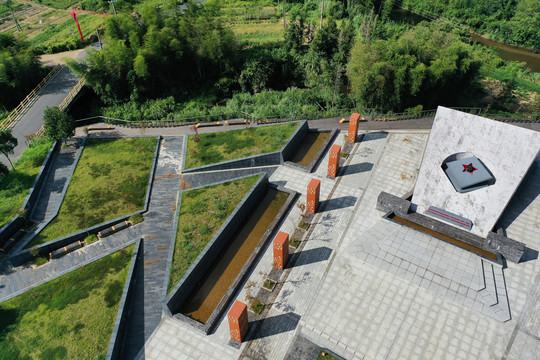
(202, 213)
(259, 33)
(57, 4)
(110, 181)
(70, 317)
(55, 34)
(228, 145)
(15, 187)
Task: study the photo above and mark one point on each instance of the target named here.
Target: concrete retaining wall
(115, 346)
(272, 158)
(180, 293)
(213, 177)
(206, 259)
(24, 255)
(18, 221)
(318, 156)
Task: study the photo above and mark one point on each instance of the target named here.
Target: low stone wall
(24, 255)
(115, 346)
(213, 177)
(180, 293)
(495, 243)
(318, 156)
(18, 221)
(272, 158)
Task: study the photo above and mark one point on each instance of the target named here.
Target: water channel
(309, 147)
(506, 52)
(205, 298)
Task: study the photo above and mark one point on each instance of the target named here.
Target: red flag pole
(73, 15)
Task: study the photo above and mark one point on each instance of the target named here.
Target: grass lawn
(326, 356)
(110, 181)
(70, 317)
(202, 213)
(259, 33)
(55, 35)
(221, 146)
(15, 187)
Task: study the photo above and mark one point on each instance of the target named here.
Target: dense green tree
(58, 125)
(8, 142)
(20, 70)
(424, 66)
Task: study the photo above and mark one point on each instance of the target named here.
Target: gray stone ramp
(145, 307)
(50, 196)
(32, 119)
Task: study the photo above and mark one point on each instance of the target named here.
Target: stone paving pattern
(339, 294)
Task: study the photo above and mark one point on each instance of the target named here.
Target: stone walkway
(51, 194)
(145, 311)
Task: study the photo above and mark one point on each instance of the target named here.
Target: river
(506, 52)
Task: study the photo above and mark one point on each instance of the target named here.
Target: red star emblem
(469, 168)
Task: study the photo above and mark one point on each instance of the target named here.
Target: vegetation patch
(325, 355)
(14, 187)
(202, 213)
(259, 33)
(221, 146)
(70, 317)
(110, 180)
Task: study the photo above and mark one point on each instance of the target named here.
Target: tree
(58, 125)
(3, 170)
(8, 142)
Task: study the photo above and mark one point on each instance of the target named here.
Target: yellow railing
(64, 104)
(12, 118)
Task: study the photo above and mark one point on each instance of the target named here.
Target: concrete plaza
(367, 288)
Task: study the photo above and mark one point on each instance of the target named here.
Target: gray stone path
(50, 197)
(51, 95)
(145, 312)
(157, 232)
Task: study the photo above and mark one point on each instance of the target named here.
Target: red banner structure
(73, 15)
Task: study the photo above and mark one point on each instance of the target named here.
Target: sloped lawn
(221, 146)
(16, 185)
(110, 180)
(202, 212)
(70, 317)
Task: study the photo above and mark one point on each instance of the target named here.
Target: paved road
(32, 120)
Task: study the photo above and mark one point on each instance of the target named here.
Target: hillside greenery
(226, 59)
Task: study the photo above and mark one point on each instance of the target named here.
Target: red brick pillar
(333, 161)
(313, 190)
(238, 321)
(353, 127)
(281, 250)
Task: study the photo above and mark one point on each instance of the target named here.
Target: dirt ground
(60, 58)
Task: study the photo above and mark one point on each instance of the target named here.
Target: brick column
(281, 250)
(313, 190)
(238, 321)
(353, 127)
(333, 161)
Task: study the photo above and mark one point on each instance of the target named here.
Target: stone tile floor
(366, 288)
(344, 299)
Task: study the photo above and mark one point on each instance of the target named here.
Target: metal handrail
(13, 117)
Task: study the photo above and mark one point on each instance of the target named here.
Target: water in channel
(218, 279)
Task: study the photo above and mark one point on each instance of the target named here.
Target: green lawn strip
(221, 146)
(326, 356)
(15, 187)
(110, 180)
(58, 36)
(57, 4)
(70, 317)
(202, 213)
